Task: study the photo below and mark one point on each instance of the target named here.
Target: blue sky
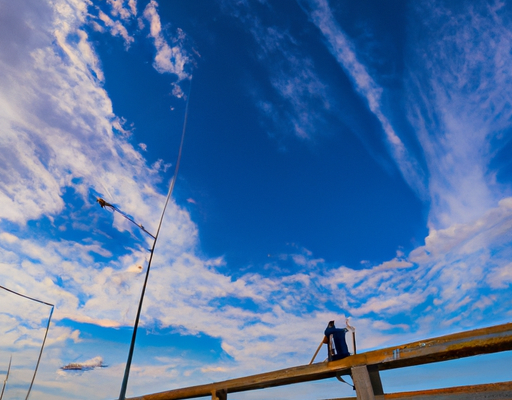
(342, 159)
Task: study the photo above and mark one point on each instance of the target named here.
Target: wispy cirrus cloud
(461, 105)
(298, 97)
(343, 50)
(457, 102)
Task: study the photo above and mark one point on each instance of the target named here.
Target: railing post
(362, 383)
(221, 394)
(373, 371)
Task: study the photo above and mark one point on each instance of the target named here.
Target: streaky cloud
(344, 52)
(298, 97)
(459, 103)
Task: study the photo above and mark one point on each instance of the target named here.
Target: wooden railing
(364, 369)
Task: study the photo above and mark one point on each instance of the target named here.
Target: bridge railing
(364, 369)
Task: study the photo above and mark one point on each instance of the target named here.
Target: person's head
(331, 324)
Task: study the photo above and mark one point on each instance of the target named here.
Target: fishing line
(45, 335)
(124, 385)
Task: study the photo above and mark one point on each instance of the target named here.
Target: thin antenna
(122, 395)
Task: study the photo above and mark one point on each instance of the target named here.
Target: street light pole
(104, 204)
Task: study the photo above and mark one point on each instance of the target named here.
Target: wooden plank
(362, 382)
(458, 345)
(489, 391)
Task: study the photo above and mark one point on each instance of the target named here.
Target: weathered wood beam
(362, 382)
(458, 345)
(489, 391)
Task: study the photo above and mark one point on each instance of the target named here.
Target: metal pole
(40, 353)
(124, 385)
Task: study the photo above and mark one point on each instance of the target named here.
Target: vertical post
(221, 394)
(373, 371)
(362, 383)
(124, 385)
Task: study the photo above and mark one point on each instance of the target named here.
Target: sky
(341, 160)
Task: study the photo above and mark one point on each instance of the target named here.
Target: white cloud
(500, 278)
(58, 126)
(464, 108)
(116, 18)
(118, 8)
(172, 59)
(116, 27)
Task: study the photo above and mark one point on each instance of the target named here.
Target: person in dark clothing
(340, 344)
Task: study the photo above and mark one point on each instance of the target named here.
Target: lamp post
(104, 204)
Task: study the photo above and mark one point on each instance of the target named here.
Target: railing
(364, 369)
